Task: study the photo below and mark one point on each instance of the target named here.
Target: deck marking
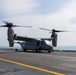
(32, 67)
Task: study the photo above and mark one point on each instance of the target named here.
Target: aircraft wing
(46, 39)
(23, 38)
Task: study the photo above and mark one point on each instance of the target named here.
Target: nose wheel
(16, 50)
(49, 51)
(24, 50)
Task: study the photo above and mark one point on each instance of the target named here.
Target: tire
(24, 50)
(16, 50)
(49, 51)
(36, 50)
(39, 51)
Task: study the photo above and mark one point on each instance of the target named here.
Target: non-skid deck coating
(30, 63)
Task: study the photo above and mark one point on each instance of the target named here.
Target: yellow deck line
(33, 67)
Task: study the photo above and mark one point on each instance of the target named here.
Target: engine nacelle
(10, 34)
(11, 40)
(54, 40)
(11, 43)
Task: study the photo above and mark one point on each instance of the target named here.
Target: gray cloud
(59, 20)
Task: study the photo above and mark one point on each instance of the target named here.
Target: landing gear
(24, 50)
(16, 50)
(51, 50)
(38, 51)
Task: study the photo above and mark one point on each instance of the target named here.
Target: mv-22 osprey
(31, 43)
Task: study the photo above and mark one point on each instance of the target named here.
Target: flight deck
(32, 63)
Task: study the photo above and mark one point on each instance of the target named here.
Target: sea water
(65, 48)
(55, 48)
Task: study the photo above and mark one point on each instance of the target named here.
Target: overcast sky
(50, 14)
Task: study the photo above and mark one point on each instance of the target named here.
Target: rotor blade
(59, 31)
(53, 30)
(21, 26)
(3, 26)
(15, 26)
(45, 29)
(5, 22)
(10, 24)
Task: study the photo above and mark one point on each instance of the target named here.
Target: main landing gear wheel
(24, 50)
(16, 50)
(38, 51)
(49, 51)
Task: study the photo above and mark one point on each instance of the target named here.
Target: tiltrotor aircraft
(31, 43)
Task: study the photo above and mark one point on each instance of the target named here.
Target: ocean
(72, 48)
(65, 48)
(7, 47)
